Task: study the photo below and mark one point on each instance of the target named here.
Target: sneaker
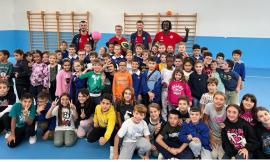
(32, 139)
(160, 156)
(7, 135)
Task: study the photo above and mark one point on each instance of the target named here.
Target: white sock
(111, 152)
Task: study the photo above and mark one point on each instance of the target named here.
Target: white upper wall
(237, 18)
(7, 15)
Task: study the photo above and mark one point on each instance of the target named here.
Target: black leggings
(5, 121)
(21, 133)
(98, 132)
(52, 90)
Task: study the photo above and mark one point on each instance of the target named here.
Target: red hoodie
(177, 89)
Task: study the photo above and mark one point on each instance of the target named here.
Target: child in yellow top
(104, 123)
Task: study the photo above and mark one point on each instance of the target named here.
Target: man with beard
(83, 37)
(140, 37)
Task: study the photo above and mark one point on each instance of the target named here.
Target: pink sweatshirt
(177, 89)
(63, 82)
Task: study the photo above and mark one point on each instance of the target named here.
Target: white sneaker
(32, 139)
(7, 135)
(160, 156)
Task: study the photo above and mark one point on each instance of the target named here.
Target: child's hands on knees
(189, 137)
(243, 152)
(102, 140)
(196, 140)
(11, 138)
(173, 151)
(96, 125)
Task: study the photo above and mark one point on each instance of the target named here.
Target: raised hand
(82, 114)
(72, 106)
(186, 29)
(54, 103)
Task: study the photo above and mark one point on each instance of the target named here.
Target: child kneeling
(136, 135)
(104, 123)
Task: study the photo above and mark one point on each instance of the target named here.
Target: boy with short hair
(7, 99)
(182, 50)
(220, 59)
(155, 123)
(104, 123)
(121, 80)
(161, 48)
(22, 121)
(232, 82)
(167, 142)
(46, 125)
(196, 133)
(72, 53)
(135, 134)
(178, 62)
(95, 81)
(183, 108)
(207, 63)
(110, 46)
(208, 97)
(239, 65)
(151, 84)
(59, 56)
(88, 50)
(170, 49)
(63, 49)
(117, 57)
(6, 68)
(215, 74)
(92, 56)
(197, 83)
(136, 78)
(196, 53)
(81, 55)
(166, 76)
(139, 52)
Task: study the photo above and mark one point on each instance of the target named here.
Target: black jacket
(76, 39)
(198, 84)
(21, 67)
(236, 136)
(264, 138)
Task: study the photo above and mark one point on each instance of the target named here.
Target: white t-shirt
(166, 75)
(215, 118)
(67, 119)
(132, 131)
(187, 74)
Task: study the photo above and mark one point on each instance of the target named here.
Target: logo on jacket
(237, 138)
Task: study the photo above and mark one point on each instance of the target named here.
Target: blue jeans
(195, 102)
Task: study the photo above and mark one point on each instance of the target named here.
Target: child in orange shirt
(122, 79)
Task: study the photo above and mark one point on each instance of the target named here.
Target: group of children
(164, 104)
